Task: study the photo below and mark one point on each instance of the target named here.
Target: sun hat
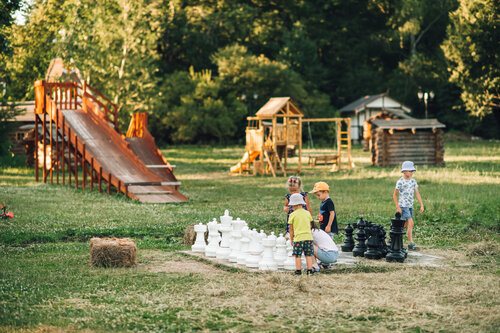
(320, 186)
(408, 166)
(296, 199)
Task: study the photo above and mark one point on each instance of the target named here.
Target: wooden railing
(69, 96)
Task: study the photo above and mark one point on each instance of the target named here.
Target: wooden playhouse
(270, 135)
(417, 140)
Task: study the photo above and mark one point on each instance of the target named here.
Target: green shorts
(303, 246)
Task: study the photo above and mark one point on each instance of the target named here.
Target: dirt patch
(170, 262)
(185, 266)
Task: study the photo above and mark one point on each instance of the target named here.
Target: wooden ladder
(344, 144)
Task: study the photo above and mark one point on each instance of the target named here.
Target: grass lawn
(46, 282)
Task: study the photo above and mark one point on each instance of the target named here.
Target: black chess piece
(372, 244)
(384, 249)
(360, 247)
(396, 233)
(349, 241)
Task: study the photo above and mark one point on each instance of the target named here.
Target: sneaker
(298, 272)
(326, 266)
(309, 272)
(316, 269)
(413, 247)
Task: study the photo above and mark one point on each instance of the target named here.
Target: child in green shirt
(300, 233)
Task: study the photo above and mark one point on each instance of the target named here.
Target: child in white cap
(300, 233)
(406, 186)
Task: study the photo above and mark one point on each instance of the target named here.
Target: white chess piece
(235, 245)
(245, 243)
(199, 244)
(213, 239)
(254, 250)
(267, 262)
(224, 250)
(289, 264)
(226, 219)
(261, 237)
(281, 254)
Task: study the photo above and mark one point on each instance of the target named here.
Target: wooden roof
(379, 101)
(276, 105)
(407, 123)
(27, 111)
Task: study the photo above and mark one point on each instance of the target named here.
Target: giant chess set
(233, 243)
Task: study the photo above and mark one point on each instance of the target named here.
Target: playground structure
(343, 145)
(81, 135)
(276, 130)
(276, 126)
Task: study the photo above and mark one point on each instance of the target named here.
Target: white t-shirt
(406, 190)
(322, 240)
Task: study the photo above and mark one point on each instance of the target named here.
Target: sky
(19, 18)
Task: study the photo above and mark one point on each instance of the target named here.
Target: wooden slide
(244, 164)
(133, 165)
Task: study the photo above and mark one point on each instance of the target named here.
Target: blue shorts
(327, 257)
(406, 213)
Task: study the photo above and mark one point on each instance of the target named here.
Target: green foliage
(33, 46)
(113, 43)
(7, 9)
(322, 54)
(472, 50)
(204, 113)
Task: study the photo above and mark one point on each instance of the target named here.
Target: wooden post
(126, 191)
(50, 140)
(275, 145)
(36, 147)
(76, 161)
(83, 168)
(385, 151)
(119, 186)
(349, 157)
(44, 148)
(100, 179)
(91, 173)
(339, 144)
(286, 120)
(57, 144)
(63, 151)
(69, 156)
(300, 144)
(109, 183)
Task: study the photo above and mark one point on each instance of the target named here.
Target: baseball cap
(320, 186)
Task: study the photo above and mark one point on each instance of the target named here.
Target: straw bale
(113, 252)
(189, 235)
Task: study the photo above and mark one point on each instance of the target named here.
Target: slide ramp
(143, 144)
(245, 160)
(113, 153)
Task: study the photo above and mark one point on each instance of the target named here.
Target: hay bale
(189, 235)
(113, 252)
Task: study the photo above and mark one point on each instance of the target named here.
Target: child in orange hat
(327, 216)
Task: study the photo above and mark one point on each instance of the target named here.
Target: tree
(33, 45)
(472, 50)
(114, 44)
(195, 108)
(7, 9)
